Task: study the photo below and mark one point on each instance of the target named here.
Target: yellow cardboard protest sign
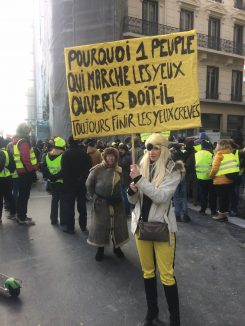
(133, 86)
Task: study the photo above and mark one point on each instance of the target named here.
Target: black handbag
(153, 231)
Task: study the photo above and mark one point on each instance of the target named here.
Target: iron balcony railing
(146, 28)
(239, 4)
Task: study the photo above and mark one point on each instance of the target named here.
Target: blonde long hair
(159, 165)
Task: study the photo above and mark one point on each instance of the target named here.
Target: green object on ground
(12, 282)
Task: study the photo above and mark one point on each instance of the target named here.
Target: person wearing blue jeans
(180, 202)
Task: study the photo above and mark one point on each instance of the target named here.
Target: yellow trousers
(154, 254)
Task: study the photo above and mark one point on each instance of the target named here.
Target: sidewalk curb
(231, 220)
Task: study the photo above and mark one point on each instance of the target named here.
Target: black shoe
(26, 221)
(100, 254)
(186, 218)
(84, 231)
(69, 231)
(12, 217)
(202, 212)
(118, 252)
(55, 222)
(155, 322)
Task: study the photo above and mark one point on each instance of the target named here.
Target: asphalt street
(63, 285)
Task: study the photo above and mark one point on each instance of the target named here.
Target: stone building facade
(221, 50)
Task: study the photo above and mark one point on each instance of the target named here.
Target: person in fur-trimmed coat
(108, 219)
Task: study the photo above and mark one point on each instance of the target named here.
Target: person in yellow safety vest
(14, 175)
(197, 147)
(7, 166)
(224, 166)
(203, 163)
(234, 198)
(203, 137)
(51, 169)
(26, 166)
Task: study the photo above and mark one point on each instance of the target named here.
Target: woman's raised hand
(134, 171)
(133, 187)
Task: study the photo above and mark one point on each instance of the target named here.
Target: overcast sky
(15, 61)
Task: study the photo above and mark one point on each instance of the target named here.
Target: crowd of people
(166, 175)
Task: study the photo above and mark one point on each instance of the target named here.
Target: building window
(186, 20)
(214, 33)
(150, 17)
(239, 4)
(235, 121)
(211, 121)
(238, 39)
(236, 86)
(212, 83)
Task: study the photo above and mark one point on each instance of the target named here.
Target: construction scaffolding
(70, 23)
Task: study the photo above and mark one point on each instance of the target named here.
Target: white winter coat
(161, 198)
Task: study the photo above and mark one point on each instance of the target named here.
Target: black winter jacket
(75, 166)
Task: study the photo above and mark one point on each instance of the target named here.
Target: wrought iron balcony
(146, 28)
(239, 4)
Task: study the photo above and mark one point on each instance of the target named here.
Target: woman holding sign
(108, 221)
(154, 184)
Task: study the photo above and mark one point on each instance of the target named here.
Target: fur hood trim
(112, 151)
(179, 166)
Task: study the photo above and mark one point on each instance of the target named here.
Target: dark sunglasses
(150, 146)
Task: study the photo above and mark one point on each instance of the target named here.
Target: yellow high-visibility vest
(197, 147)
(238, 160)
(203, 161)
(54, 166)
(228, 165)
(14, 175)
(18, 162)
(5, 172)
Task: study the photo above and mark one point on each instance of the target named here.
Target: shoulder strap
(169, 207)
(170, 165)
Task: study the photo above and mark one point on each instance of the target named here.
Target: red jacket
(24, 147)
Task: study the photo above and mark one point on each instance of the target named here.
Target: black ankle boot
(118, 252)
(154, 322)
(100, 254)
(172, 297)
(151, 318)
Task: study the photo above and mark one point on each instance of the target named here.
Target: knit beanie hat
(123, 146)
(59, 143)
(157, 139)
(206, 145)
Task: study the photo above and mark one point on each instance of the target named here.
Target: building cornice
(190, 4)
(238, 16)
(205, 100)
(216, 9)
